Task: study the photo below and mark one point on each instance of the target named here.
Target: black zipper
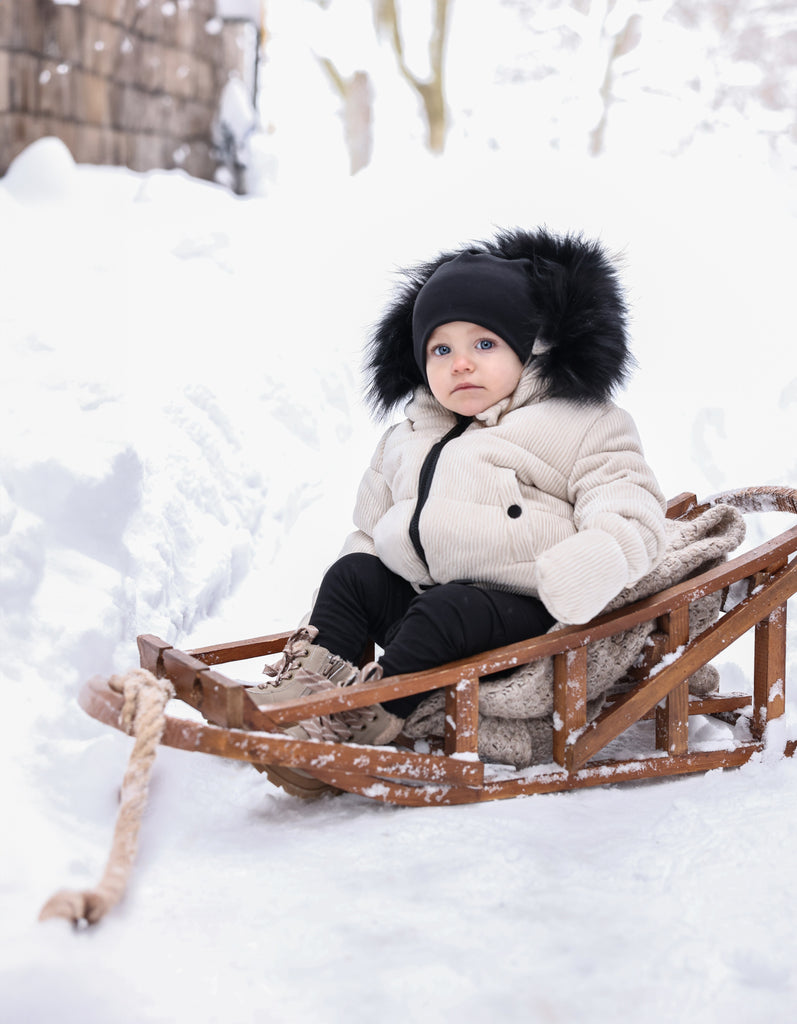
(425, 481)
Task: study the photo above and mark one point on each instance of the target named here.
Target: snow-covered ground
(180, 442)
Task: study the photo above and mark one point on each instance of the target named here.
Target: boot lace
(296, 646)
(342, 725)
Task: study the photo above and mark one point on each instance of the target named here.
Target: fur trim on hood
(580, 349)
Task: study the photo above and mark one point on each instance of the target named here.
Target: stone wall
(128, 82)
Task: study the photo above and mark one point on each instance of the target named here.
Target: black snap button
(514, 511)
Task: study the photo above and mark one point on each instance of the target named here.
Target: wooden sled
(235, 727)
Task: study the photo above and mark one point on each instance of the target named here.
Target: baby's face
(470, 368)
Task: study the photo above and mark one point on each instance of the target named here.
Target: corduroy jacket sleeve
(374, 498)
(619, 518)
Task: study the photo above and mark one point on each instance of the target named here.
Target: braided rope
(143, 715)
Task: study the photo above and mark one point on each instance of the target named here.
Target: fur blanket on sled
(515, 711)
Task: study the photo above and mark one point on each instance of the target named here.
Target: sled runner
(645, 713)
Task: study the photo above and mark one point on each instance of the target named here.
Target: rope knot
(144, 695)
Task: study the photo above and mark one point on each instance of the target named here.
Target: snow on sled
(579, 706)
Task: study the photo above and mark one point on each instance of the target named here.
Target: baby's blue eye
(485, 343)
(440, 350)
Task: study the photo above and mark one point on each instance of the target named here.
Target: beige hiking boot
(309, 668)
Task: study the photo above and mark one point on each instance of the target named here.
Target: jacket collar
(530, 389)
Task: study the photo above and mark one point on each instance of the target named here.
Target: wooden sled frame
(235, 727)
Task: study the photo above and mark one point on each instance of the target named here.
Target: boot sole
(306, 787)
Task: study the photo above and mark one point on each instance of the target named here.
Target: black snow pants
(361, 599)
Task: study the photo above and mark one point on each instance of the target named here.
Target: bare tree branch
(431, 92)
(357, 97)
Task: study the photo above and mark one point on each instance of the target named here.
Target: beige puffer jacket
(539, 496)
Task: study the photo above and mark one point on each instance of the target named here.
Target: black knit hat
(490, 291)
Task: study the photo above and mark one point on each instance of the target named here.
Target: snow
(181, 439)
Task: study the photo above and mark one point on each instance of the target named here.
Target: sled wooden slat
(220, 700)
(769, 692)
(672, 720)
(718, 703)
(656, 688)
(557, 781)
(462, 716)
(363, 694)
(150, 653)
(672, 716)
(603, 773)
(569, 702)
(681, 504)
(388, 791)
(722, 706)
(241, 650)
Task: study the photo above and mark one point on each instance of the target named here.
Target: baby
(513, 494)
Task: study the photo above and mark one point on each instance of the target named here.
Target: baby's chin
(467, 403)
(468, 408)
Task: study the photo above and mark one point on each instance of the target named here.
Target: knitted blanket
(515, 710)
